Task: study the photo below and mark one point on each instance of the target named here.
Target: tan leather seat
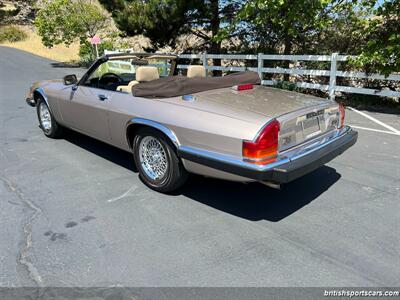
(143, 74)
(196, 71)
(127, 88)
(147, 73)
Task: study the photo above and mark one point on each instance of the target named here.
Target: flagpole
(95, 41)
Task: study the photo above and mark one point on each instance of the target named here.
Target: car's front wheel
(155, 158)
(47, 122)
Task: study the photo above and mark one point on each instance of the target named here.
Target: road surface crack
(23, 257)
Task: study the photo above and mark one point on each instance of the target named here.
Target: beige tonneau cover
(173, 86)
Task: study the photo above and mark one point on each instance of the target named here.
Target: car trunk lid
(270, 102)
(302, 117)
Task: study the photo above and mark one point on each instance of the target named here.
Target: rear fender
(135, 123)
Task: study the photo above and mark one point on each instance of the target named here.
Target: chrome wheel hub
(45, 117)
(153, 158)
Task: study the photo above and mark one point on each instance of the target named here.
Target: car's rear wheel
(158, 165)
(47, 122)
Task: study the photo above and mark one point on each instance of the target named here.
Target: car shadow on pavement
(255, 201)
(65, 65)
(252, 201)
(111, 153)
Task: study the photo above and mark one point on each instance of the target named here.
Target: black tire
(55, 130)
(175, 174)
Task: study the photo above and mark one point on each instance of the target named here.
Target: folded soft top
(179, 85)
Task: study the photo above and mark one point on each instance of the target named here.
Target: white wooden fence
(333, 73)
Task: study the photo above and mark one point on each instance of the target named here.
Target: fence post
(260, 65)
(165, 69)
(332, 78)
(205, 62)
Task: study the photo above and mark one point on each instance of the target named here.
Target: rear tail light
(265, 148)
(242, 87)
(342, 114)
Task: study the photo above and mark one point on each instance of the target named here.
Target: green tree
(286, 26)
(64, 21)
(164, 21)
(290, 26)
(342, 34)
(381, 52)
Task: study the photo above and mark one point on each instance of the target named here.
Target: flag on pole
(95, 41)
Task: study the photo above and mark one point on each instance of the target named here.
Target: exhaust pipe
(273, 185)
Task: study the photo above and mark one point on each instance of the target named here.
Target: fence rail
(332, 73)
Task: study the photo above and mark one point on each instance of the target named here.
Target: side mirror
(70, 79)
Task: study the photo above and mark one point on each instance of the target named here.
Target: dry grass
(34, 45)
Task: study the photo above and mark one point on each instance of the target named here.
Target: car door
(86, 110)
(85, 106)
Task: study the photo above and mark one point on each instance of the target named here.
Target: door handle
(102, 97)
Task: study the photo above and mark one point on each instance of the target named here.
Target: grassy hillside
(21, 13)
(34, 45)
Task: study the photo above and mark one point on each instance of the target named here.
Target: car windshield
(120, 72)
(126, 68)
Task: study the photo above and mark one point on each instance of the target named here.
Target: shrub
(285, 85)
(11, 34)
(65, 21)
(87, 53)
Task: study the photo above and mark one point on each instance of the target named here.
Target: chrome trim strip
(232, 160)
(168, 132)
(316, 144)
(43, 94)
(283, 158)
(307, 109)
(292, 114)
(324, 136)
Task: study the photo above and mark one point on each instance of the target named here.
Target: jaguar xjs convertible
(228, 127)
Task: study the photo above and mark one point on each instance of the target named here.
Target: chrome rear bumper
(290, 165)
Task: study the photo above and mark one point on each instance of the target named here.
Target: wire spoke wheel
(157, 162)
(153, 158)
(45, 117)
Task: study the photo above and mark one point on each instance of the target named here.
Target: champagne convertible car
(228, 127)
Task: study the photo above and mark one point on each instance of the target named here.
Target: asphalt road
(73, 213)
